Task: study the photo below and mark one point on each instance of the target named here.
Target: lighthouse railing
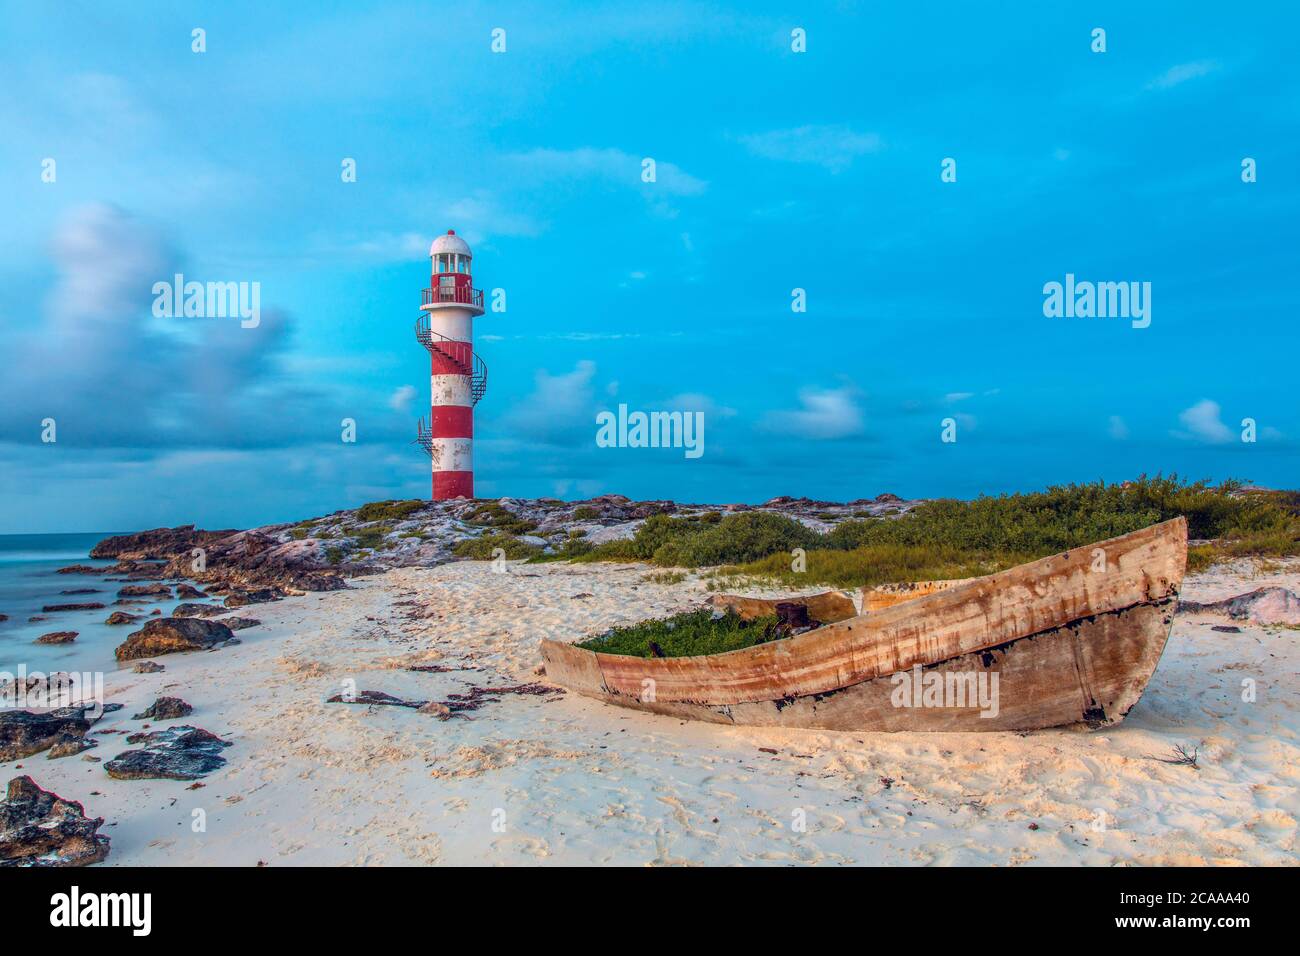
(457, 295)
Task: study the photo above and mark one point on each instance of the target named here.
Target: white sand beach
(567, 780)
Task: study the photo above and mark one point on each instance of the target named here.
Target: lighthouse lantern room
(458, 377)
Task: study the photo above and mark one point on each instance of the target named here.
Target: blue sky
(775, 170)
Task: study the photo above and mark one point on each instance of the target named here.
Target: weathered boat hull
(1071, 638)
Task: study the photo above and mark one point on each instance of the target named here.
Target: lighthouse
(458, 377)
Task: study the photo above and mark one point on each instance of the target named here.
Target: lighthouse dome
(450, 243)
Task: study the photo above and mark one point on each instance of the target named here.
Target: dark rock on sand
(198, 610)
(57, 637)
(166, 708)
(148, 667)
(259, 596)
(170, 635)
(26, 732)
(121, 617)
(177, 753)
(90, 606)
(70, 745)
(144, 590)
(40, 828)
(1272, 605)
(239, 623)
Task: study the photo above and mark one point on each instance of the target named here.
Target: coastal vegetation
(684, 635)
(948, 538)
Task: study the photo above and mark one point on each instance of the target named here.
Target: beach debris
(121, 617)
(656, 650)
(1183, 757)
(169, 635)
(26, 732)
(188, 592)
(57, 637)
(239, 623)
(88, 606)
(145, 590)
(148, 667)
(376, 698)
(1226, 628)
(176, 753)
(1271, 605)
(454, 705)
(40, 828)
(166, 708)
(198, 610)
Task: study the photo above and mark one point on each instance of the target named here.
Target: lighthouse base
(453, 484)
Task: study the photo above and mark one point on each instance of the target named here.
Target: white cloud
(1203, 423)
(560, 409)
(401, 398)
(1181, 73)
(611, 166)
(825, 413)
(833, 147)
(1117, 428)
(958, 396)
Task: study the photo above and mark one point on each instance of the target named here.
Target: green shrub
(685, 635)
(481, 548)
(492, 514)
(372, 537)
(389, 510)
(334, 555)
(585, 513)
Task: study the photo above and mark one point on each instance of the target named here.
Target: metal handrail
(432, 340)
(459, 295)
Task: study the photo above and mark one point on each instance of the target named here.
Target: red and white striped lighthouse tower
(458, 376)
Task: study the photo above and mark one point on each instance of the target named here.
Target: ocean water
(28, 581)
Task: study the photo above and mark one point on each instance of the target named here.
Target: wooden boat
(1071, 638)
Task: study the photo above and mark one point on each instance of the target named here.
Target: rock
(36, 618)
(239, 623)
(40, 828)
(170, 635)
(888, 499)
(57, 637)
(69, 745)
(260, 596)
(121, 617)
(187, 592)
(177, 753)
(4, 617)
(82, 591)
(432, 707)
(166, 708)
(145, 590)
(91, 606)
(148, 667)
(26, 732)
(1272, 605)
(160, 544)
(1226, 629)
(198, 610)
